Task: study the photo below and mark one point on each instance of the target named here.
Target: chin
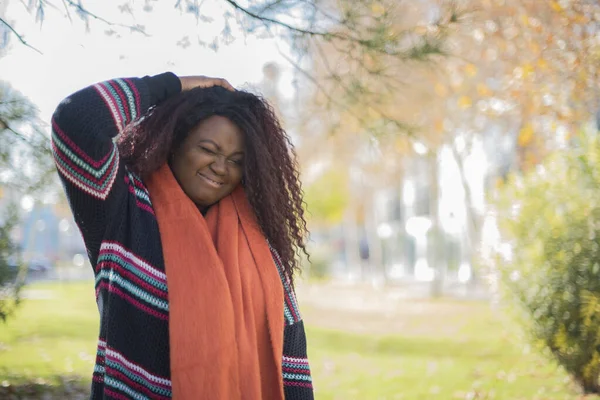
(201, 201)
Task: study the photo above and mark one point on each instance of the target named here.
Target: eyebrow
(219, 147)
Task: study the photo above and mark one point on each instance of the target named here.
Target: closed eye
(206, 149)
(237, 162)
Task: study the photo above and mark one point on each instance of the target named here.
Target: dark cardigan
(114, 213)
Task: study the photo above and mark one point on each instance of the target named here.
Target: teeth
(218, 183)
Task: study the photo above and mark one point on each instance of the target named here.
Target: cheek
(193, 161)
(236, 176)
(184, 167)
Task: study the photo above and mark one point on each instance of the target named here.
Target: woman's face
(209, 163)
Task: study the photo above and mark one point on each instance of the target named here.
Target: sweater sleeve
(84, 127)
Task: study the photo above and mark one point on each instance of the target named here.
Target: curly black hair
(271, 176)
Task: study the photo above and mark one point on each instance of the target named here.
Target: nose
(219, 166)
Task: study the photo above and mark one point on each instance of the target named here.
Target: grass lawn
(424, 350)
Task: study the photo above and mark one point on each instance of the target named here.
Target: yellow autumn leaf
(525, 135)
(483, 90)
(581, 19)
(465, 102)
(439, 125)
(556, 6)
(535, 47)
(377, 9)
(524, 19)
(440, 90)
(527, 70)
(542, 64)
(471, 69)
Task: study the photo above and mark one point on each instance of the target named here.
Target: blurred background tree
(521, 76)
(549, 217)
(541, 73)
(25, 168)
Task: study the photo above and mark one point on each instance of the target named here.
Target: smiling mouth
(210, 181)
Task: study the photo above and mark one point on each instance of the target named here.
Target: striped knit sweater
(114, 213)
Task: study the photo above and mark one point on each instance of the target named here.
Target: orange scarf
(225, 297)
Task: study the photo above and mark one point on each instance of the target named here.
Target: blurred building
(402, 213)
(46, 235)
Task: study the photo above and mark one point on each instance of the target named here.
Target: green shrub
(551, 219)
(11, 273)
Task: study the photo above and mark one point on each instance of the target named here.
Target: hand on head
(191, 82)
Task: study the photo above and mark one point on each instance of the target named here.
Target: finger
(223, 83)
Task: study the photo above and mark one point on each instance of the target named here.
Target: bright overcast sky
(73, 58)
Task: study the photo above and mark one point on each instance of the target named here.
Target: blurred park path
(407, 309)
(365, 297)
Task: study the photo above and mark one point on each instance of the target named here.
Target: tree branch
(21, 39)
(66, 6)
(312, 4)
(291, 28)
(4, 126)
(337, 78)
(404, 127)
(312, 79)
(269, 6)
(429, 45)
(85, 11)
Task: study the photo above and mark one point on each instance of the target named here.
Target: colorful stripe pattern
(121, 98)
(125, 379)
(94, 177)
(99, 369)
(296, 372)
(134, 280)
(290, 307)
(139, 190)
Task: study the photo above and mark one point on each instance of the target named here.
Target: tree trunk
(434, 239)
(473, 219)
(375, 249)
(351, 241)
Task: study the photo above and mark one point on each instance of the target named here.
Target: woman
(191, 221)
